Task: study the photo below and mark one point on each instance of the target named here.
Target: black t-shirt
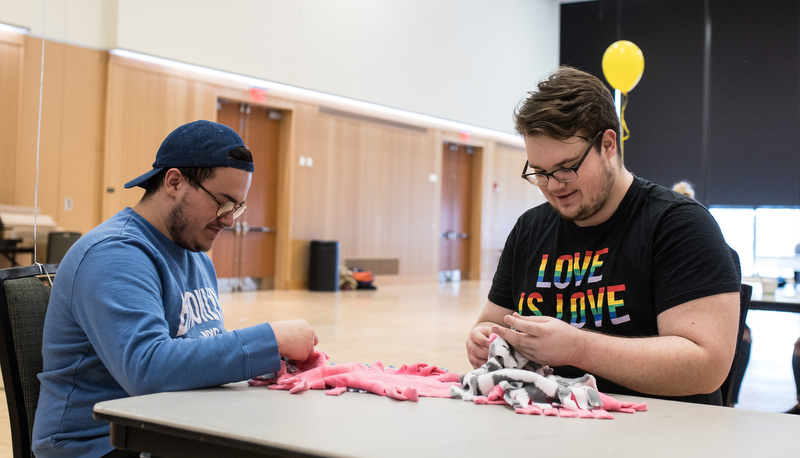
(659, 249)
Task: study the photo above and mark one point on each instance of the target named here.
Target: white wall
(87, 23)
(470, 61)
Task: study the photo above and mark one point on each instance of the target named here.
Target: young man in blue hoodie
(135, 307)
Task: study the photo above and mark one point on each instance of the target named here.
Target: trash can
(323, 266)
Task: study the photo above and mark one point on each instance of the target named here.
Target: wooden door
(244, 255)
(456, 212)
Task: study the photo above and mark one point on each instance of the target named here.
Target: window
(760, 236)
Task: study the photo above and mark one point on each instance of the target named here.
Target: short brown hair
(570, 102)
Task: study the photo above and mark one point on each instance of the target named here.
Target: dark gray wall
(718, 104)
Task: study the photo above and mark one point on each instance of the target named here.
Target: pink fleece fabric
(406, 383)
(409, 382)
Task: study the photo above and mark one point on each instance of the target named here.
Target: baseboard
(378, 266)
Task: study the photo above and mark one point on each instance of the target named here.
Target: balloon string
(39, 136)
(626, 134)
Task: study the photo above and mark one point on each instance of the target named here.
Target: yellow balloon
(623, 65)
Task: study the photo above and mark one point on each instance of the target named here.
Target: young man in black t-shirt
(614, 275)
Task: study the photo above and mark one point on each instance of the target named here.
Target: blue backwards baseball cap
(197, 144)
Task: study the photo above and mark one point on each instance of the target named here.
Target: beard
(177, 226)
(596, 203)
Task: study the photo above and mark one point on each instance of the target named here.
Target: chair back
(58, 243)
(23, 304)
(745, 293)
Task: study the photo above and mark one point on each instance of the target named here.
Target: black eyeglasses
(564, 175)
(224, 207)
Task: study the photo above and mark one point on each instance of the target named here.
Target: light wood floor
(405, 322)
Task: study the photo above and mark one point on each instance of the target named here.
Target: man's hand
(543, 339)
(478, 339)
(478, 344)
(296, 339)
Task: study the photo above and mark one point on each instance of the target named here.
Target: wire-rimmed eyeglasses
(224, 207)
(564, 175)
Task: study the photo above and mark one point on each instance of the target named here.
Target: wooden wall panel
(82, 138)
(49, 143)
(368, 188)
(285, 263)
(70, 143)
(505, 203)
(145, 103)
(11, 54)
(143, 107)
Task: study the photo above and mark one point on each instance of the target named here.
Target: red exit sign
(258, 95)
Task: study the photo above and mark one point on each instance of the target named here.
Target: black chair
(58, 243)
(727, 387)
(24, 294)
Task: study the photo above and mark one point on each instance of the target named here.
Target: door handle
(261, 229)
(246, 228)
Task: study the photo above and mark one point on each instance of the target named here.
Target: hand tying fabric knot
(529, 387)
